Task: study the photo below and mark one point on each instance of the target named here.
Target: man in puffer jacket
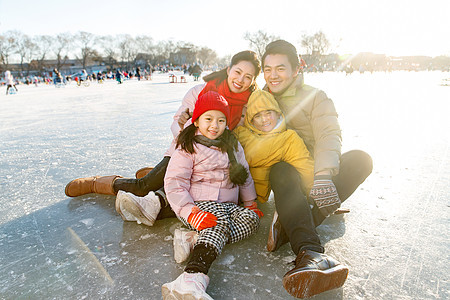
(310, 113)
(266, 141)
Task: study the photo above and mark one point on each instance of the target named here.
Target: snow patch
(145, 236)
(227, 260)
(88, 222)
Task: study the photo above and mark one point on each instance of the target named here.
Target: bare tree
(30, 53)
(259, 40)
(127, 48)
(110, 49)
(145, 44)
(207, 56)
(224, 61)
(43, 45)
(8, 46)
(163, 50)
(86, 41)
(61, 46)
(316, 44)
(23, 44)
(188, 50)
(146, 49)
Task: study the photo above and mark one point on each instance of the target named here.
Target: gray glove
(325, 196)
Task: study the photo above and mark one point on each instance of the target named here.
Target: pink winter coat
(204, 176)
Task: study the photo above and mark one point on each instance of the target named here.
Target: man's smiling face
(278, 73)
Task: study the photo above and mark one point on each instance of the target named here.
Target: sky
(392, 27)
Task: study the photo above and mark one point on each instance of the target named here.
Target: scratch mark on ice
(425, 207)
(92, 257)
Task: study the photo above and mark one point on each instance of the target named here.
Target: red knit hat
(210, 101)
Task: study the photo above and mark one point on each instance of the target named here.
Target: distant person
(348, 69)
(148, 74)
(303, 64)
(206, 176)
(311, 114)
(138, 73)
(145, 197)
(362, 69)
(83, 77)
(196, 71)
(119, 76)
(57, 77)
(9, 82)
(100, 77)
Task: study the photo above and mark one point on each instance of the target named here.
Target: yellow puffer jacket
(264, 149)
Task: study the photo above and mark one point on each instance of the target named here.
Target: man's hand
(325, 196)
(184, 117)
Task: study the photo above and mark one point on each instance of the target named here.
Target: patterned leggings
(234, 223)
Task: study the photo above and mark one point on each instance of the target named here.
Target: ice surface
(395, 240)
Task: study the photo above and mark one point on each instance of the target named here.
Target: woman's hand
(183, 118)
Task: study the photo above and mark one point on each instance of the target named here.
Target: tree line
(123, 49)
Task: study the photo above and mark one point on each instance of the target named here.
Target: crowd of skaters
(57, 78)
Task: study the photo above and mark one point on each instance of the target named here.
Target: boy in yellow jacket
(266, 141)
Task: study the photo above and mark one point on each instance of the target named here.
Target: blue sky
(393, 27)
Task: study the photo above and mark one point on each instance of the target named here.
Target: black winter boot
(314, 273)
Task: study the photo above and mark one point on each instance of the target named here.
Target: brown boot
(314, 273)
(277, 235)
(96, 184)
(142, 172)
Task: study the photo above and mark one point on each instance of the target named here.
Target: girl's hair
(246, 55)
(185, 140)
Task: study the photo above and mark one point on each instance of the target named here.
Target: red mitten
(201, 219)
(254, 207)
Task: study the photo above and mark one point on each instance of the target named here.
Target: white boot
(139, 209)
(126, 216)
(187, 286)
(183, 243)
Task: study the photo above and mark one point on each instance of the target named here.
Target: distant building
(183, 56)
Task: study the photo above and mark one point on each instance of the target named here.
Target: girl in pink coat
(206, 176)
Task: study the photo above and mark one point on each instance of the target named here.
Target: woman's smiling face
(240, 76)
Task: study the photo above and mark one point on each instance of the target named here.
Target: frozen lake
(395, 240)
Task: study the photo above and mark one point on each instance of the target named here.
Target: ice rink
(395, 240)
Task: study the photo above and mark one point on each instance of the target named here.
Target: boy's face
(265, 120)
(278, 73)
